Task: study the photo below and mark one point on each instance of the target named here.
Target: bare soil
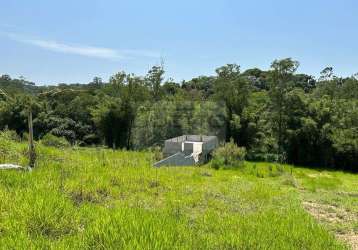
(334, 215)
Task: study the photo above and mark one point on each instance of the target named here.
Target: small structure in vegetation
(187, 150)
(11, 166)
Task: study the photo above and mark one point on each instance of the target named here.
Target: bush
(9, 135)
(157, 153)
(10, 150)
(229, 155)
(54, 141)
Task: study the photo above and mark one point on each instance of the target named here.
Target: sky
(72, 41)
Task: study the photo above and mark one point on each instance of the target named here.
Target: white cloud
(84, 50)
(77, 50)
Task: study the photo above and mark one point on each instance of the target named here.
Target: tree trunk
(32, 153)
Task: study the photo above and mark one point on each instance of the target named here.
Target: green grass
(336, 193)
(102, 199)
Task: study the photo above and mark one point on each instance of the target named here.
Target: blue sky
(72, 41)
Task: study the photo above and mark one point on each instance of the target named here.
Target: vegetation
(96, 198)
(82, 197)
(229, 156)
(277, 115)
(54, 141)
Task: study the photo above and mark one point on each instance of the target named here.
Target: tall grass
(102, 199)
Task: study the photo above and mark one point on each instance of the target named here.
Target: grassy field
(80, 198)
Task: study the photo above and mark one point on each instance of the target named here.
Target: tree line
(276, 114)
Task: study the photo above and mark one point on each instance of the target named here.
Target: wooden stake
(32, 153)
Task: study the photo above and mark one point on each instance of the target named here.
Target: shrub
(229, 155)
(9, 135)
(289, 180)
(156, 153)
(54, 141)
(9, 149)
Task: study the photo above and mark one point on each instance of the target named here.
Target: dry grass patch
(335, 216)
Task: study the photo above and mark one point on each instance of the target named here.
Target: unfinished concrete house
(187, 150)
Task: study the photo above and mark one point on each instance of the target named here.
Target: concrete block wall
(179, 153)
(171, 148)
(178, 139)
(211, 144)
(174, 145)
(196, 138)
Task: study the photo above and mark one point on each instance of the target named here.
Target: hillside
(95, 198)
(279, 114)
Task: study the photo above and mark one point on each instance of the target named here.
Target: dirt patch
(334, 215)
(351, 239)
(206, 174)
(79, 196)
(320, 175)
(329, 213)
(351, 194)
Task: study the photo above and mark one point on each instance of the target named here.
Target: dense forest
(277, 115)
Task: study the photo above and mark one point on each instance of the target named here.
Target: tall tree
(281, 75)
(154, 80)
(232, 89)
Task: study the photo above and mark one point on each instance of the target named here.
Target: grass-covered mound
(102, 199)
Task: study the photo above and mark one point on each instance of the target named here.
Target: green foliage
(229, 156)
(321, 181)
(113, 119)
(9, 135)
(11, 86)
(232, 90)
(157, 153)
(10, 149)
(280, 84)
(14, 112)
(54, 141)
(267, 170)
(49, 216)
(256, 132)
(278, 115)
(156, 122)
(154, 81)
